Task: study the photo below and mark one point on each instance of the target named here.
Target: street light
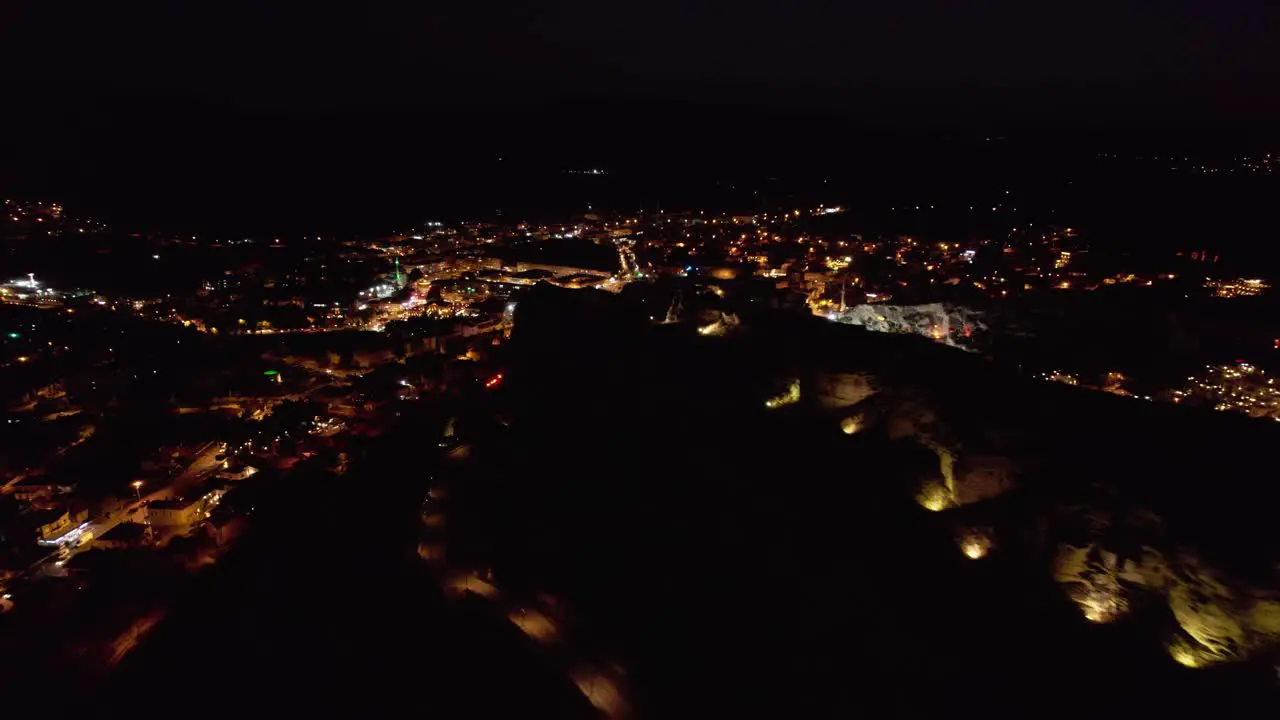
(137, 490)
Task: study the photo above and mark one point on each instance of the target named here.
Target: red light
(494, 381)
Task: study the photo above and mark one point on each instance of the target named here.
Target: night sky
(321, 114)
(1136, 60)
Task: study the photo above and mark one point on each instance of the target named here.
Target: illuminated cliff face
(1124, 563)
(950, 324)
(1090, 575)
(790, 396)
(1217, 621)
(981, 454)
(975, 543)
(965, 475)
(722, 325)
(1209, 613)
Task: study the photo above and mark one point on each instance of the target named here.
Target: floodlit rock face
(951, 324)
(790, 396)
(975, 542)
(1092, 581)
(1068, 484)
(1265, 617)
(1220, 624)
(939, 492)
(1217, 621)
(839, 390)
(1072, 564)
(1206, 610)
(1150, 571)
(722, 324)
(934, 496)
(853, 424)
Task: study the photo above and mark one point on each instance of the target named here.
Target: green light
(15, 336)
(270, 372)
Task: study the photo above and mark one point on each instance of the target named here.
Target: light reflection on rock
(975, 543)
(934, 496)
(1095, 586)
(851, 425)
(1101, 606)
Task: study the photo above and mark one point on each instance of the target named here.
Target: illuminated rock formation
(1092, 581)
(721, 325)
(1208, 611)
(787, 397)
(1188, 653)
(1150, 571)
(950, 324)
(975, 543)
(1218, 621)
(935, 496)
(1264, 618)
(914, 418)
(853, 424)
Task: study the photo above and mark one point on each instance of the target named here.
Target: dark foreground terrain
(745, 561)
(325, 611)
(734, 560)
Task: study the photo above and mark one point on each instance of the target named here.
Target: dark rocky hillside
(741, 553)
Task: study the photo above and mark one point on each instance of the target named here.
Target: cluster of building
(457, 280)
(1112, 382)
(445, 279)
(1239, 387)
(47, 520)
(808, 252)
(338, 336)
(1058, 376)
(23, 219)
(1240, 164)
(1234, 288)
(31, 292)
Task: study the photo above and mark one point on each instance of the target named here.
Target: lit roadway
(205, 464)
(202, 467)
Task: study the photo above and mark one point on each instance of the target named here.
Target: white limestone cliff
(950, 324)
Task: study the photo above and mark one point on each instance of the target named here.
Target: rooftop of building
(176, 504)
